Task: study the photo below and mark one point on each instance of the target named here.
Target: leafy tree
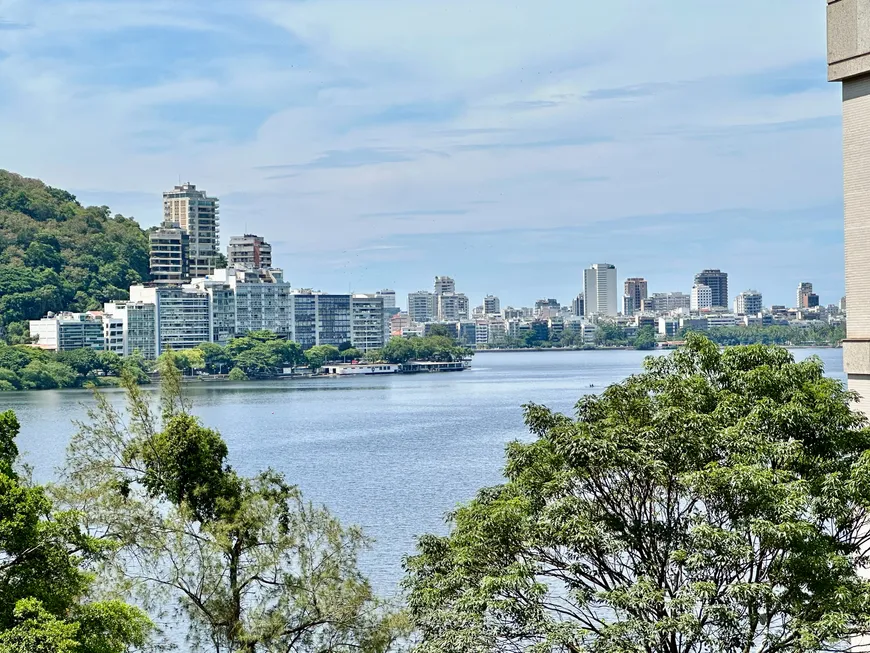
(715, 502)
(45, 602)
(217, 359)
(82, 361)
(237, 374)
(44, 375)
(645, 338)
(251, 567)
(351, 353)
(320, 354)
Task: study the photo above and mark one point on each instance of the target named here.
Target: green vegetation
(439, 348)
(715, 502)
(251, 566)
(46, 604)
(56, 255)
(817, 334)
(27, 368)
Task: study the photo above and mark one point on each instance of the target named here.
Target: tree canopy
(57, 255)
(45, 589)
(715, 502)
(246, 563)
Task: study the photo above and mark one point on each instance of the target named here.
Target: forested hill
(56, 254)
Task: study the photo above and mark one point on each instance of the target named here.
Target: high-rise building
(806, 298)
(249, 252)
(197, 214)
(748, 303)
(389, 297)
(491, 305)
(451, 307)
(599, 290)
(367, 321)
(717, 281)
(578, 306)
(444, 285)
(183, 315)
(702, 297)
(139, 326)
(421, 306)
(627, 305)
(169, 251)
(636, 288)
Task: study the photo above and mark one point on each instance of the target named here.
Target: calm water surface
(393, 453)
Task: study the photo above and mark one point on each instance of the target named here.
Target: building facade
(249, 252)
(636, 289)
(849, 63)
(139, 326)
(197, 214)
(68, 331)
(702, 298)
(451, 307)
(717, 281)
(183, 316)
(367, 321)
(444, 285)
(491, 305)
(749, 302)
(169, 254)
(599, 290)
(389, 297)
(421, 306)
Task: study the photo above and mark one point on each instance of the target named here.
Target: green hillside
(57, 255)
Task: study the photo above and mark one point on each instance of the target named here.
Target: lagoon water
(393, 454)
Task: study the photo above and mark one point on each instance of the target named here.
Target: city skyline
(370, 159)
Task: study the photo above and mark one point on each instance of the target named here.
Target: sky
(379, 143)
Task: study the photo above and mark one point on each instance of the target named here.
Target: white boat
(352, 369)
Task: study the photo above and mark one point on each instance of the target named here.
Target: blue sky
(379, 143)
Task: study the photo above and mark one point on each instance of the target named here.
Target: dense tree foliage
(817, 334)
(716, 502)
(430, 348)
(248, 565)
(57, 255)
(27, 368)
(45, 602)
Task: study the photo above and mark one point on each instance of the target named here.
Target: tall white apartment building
(197, 215)
(702, 297)
(138, 326)
(183, 316)
(749, 302)
(600, 290)
(452, 307)
(421, 306)
(367, 321)
(444, 285)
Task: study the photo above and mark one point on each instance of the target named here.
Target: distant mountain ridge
(57, 255)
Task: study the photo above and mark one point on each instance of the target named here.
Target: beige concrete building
(197, 215)
(849, 63)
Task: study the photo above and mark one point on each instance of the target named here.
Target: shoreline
(564, 349)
